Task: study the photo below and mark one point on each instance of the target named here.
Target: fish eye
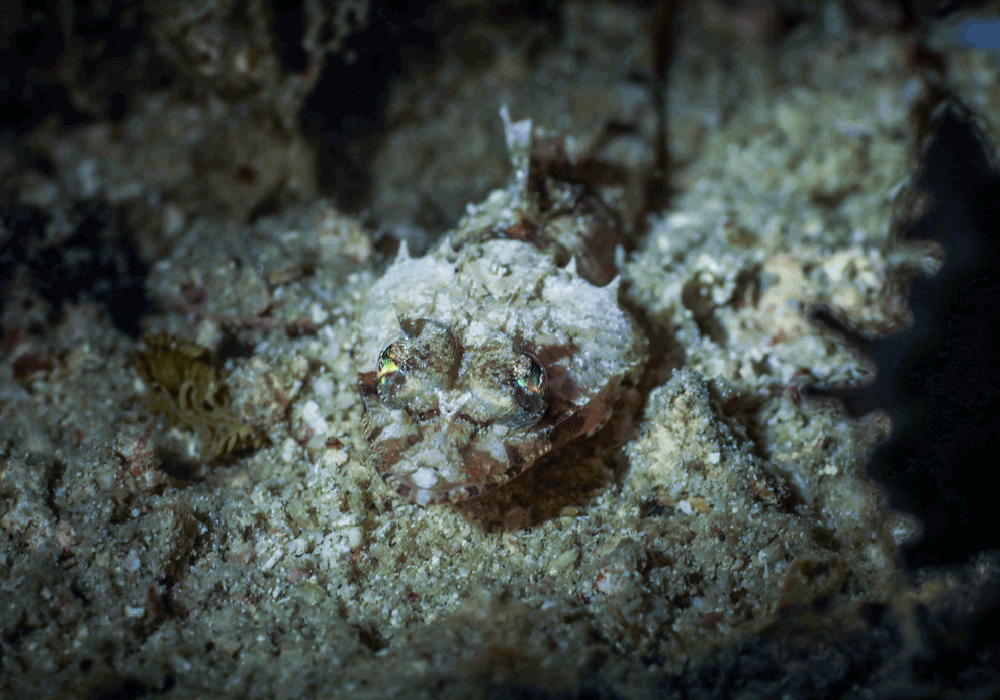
(388, 363)
(412, 370)
(389, 372)
(526, 391)
(529, 375)
(507, 387)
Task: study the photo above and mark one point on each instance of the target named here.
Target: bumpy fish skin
(494, 349)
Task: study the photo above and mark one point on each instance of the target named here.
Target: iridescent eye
(388, 363)
(413, 370)
(529, 375)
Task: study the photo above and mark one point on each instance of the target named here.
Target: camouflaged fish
(499, 346)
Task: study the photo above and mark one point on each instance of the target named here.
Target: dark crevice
(702, 310)
(95, 262)
(55, 475)
(343, 113)
(78, 594)
(123, 689)
(289, 30)
(369, 636)
(89, 74)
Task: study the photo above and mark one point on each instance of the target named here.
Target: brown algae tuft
(186, 387)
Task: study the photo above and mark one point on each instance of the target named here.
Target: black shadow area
(939, 379)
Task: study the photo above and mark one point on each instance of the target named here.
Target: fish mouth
(451, 458)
